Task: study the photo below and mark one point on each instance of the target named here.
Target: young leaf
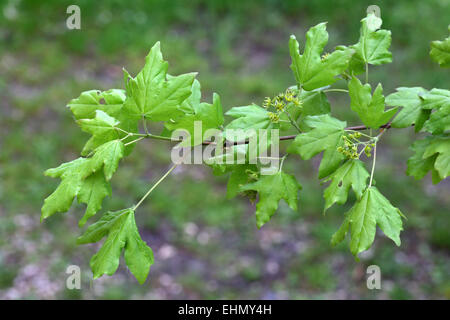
(271, 189)
(371, 210)
(418, 165)
(440, 52)
(370, 109)
(372, 47)
(412, 112)
(239, 177)
(312, 103)
(72, 175)
(112, 103)
(81, 178)
(440, 145)
(86, 105)
(156, 95)
(310, 70)
(350, 174)
(210, 115)
(92, 192)
(438, 99)
(248, 117)
(107, 156)
(326, 136)
(103, 129)
(122, 234)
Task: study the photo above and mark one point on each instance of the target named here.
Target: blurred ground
(205, 246)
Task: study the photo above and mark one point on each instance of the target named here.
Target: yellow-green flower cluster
(368, 150)
(274, 117)
(350, 149)
(279, 103)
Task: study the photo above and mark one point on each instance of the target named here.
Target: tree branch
(282, 138)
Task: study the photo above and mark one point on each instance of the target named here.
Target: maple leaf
(440, 52)
(325, 136)
(209, 116)
(80, 178)
(351, 174)
(371, 210)
(410, 99)
(372, 47)
(370, 108)
(310, 70)
(438, 100)
(122, 234)
(271, 189)
(154, 94)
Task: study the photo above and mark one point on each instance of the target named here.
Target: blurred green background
(206, 246)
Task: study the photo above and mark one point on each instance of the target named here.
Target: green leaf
(312, 103)
(431, 153)
(156, 95)
(351, 174)
(238, 178)
(326, 136)
(72, 175)
(81, 178)
(107, 156)
(115, 104)
(271, 189)
(310, 70)
(370, 109)
(372, 47)
(418, 165)
(92, 192)
(122, 234)
(371, 210)
(210, 115)
(411, 113)
(103, 129)
(440, 52)
(440, 145)
(249, 117)
(86, 105)
(438, 99)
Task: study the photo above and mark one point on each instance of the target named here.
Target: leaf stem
(373, 164)
(154, 186)
(336, 90)
(145, 124)
(367, 72)
(293, 122)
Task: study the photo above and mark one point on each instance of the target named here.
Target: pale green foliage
(440, 52)
(271, 189)
(249, 117)
(439, 100)
(370, 108)
(351, 174)
(431, 153)
(112, 119)
(371, 210)
(310, 70)
(412, 111)
(372, 47)
(122, 234)
(86, 178)
(325, 136)
(153, 93)
(209, 115)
